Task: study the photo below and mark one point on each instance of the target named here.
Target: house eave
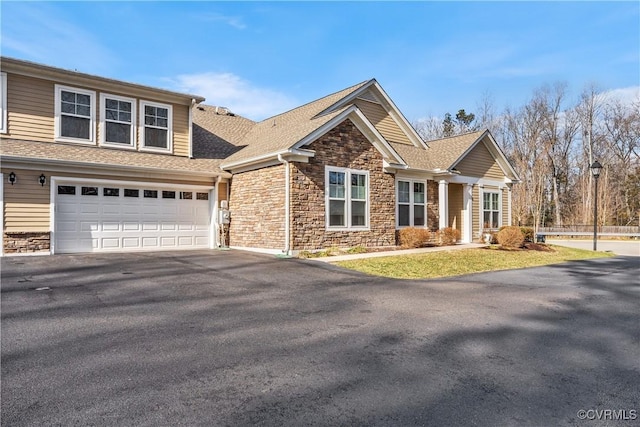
(18, 162)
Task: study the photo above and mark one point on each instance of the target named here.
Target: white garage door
(92, 217)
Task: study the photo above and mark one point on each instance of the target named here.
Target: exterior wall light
(12, 178)
(42, 179)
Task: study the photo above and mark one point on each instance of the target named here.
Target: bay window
(347, 198)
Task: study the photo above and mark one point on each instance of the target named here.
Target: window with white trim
(490, 209)
(347, 198)
(117, 120)
(411, 203)
(75, 114)
(155, 126)
(3, 102)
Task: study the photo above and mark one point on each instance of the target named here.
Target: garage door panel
(131, 242)
(90, 223)
(150, 242)
(110, 243)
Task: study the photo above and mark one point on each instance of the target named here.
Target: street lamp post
(596, 167)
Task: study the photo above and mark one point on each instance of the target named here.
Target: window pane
(494, 201)
(202, 196)
(111, 115)
(66, 189)
(124, 117)
(151, 194)
(129, 192)
(486, 201)
(186, 195)
(418, 215)
(124, 106)
(118, 132)
(89, 191)
(83, 110)
(403, 192)
(68, 108)
(418, 192)
(336, 184)
(74, 127)
(358, 187)
(336, 212)
(151, 121)
(162, 123)
(68, 96)
(358, 214)
(155, 137)
(162, 112)
(486, 220)
(83, 99)
(403, 215)
(149, 111)
(168, 194)
(111, 192)
(111, 103)
(494, 217)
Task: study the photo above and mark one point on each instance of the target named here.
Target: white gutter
(193, 104)
(287, 227)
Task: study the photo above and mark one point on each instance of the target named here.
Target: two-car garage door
(108, 216)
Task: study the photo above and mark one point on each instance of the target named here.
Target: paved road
(618, 247)
(231, 338)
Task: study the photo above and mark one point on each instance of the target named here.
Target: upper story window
(347, 198)
(490, 209)
(410, 209)
(75, 114)
(117, 121)
(155, 126)
(3, 102)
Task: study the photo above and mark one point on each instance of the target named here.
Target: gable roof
(217, 136)
(283, 131)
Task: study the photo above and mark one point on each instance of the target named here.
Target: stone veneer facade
(344, 146)
(256, 203)
(26, 242)
(433, 207)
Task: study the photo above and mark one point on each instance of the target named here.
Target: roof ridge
(456, 136)
(352, 88)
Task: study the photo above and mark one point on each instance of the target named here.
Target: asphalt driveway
(233, 338)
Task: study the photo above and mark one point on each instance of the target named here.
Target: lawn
(465, 261)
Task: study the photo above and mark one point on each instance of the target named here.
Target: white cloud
(625, 95)
(233, 21)
(235, 93)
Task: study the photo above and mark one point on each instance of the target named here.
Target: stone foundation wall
(25, 242)
(344, 146)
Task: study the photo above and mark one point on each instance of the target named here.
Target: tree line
(552, 142)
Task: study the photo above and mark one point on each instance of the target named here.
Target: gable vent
(369, 96)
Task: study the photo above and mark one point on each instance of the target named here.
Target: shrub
(528, 234)
(511, 237)
(447, 236)
(412, 237)
(357, 250)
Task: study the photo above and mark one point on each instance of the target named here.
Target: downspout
(193, 104)
(287, 228)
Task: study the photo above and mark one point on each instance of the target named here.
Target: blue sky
(263, 58)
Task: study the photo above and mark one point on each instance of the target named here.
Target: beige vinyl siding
(26, 203)
(31, 112)
(480, 163)
(382, 121)
(455, 207)
(222, 191)
(30, 109)
(505, 206)
(180, 130)
(476, 211)
(203, 182)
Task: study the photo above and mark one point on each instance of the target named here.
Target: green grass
(465, 261)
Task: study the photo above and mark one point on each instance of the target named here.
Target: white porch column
(467, 213)
(443, 203)
(509, 217)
